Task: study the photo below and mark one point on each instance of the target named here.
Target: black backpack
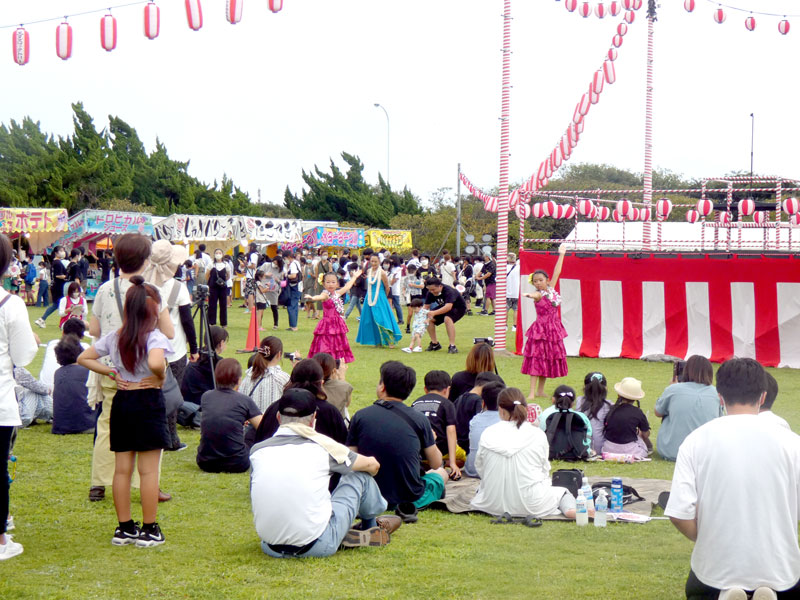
(566, 433)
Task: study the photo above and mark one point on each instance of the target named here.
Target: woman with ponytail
(513, 465)
(265, 380)
(595, 404)
(138, 428)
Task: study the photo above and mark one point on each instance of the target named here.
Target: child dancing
(419, 326)
(330, 334)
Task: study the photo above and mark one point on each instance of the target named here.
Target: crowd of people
(321, 477)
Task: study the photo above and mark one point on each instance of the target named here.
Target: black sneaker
(150, 535)
(408, 330)
(452, 350)
(469, 313)
(483, 313)
(433, 347)
(407, 511)
(491, 314)
(123, 537)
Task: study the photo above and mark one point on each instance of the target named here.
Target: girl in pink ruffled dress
(545, 356)
(330, 334)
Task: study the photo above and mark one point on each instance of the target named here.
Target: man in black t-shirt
(396, 434)
(441, 413)
(445, 305)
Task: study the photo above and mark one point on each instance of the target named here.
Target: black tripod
(201, 306)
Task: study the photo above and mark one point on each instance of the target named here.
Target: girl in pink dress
(544, 356)
(331, 333)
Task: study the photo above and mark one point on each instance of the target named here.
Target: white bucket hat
(165, 258)
(630, 388)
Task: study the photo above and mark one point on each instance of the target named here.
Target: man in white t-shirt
(512, 288)
(765, 412)
(736, 494)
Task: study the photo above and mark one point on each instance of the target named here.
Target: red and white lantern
(194, 14)
(689, 5)
(568, 211)
(585, 207)
(724, 217)
(22, 46)
(492, 203)
(549, 209)
(585, 10)
(571, 5)
(152, 21)
(630, 17)
(663, 208)
(600, 11)
(784, 27)
(64, 41)
(750, 23)
(233, 11)
(795, 220)
(609, 71)
(617, 41)
(791, 206)
(624, 207)
(275, 5)
(613, 8)
(523, 210)
(634, 214)
(645, 214)
(603, 212)
(537, 210)
(108, 33)
(555, 158)
(760, 217)
(705, 207)
(617, 217)
(513, 199)
(692, 216)
(622, 29)
(584, 106)
(612, 54)
(747, 207)
(598, 81)
(542, 173)
(719, 15)
(579, 127)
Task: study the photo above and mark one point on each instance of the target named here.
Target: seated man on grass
(441, 413)
(396, 435)
(735, 493)
(487, 417)
(295, 515)
(469, 404)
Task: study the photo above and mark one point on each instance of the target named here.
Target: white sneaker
(407, 350)
(733, 594)
(418, 349)
(765, 593)
(10, 523)
(10, 549)
(40, 323)
(513, 328)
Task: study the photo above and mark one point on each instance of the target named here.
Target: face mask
(218, 256)
(76, 296)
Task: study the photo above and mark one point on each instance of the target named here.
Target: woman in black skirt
(138, 418)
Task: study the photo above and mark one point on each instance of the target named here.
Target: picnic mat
(460, 493)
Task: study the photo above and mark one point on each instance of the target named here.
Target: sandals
(528, 521)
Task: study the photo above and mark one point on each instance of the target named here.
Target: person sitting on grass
(71, 411)
(197, 378)
(442, 415)
(595, 404)
(627, 430)
(294, 513)
(396, 435)
(222, 447)
(35, 401)
(765, 412)
(470, 404)
(512, 462)
(480, 359)
(563, 400)
(483, 420)
(47, 373)
(334, 383)
(419, 326)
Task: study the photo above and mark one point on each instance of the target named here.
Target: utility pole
(458, 213)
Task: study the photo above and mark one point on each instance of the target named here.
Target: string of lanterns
(720, 16)
(601, 10)
(108, 26)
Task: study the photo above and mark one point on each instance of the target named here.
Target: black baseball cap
(297, 403)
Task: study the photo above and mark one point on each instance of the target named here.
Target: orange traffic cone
(251, 345)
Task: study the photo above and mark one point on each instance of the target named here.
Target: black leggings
(274, 308)
(5, 446)
(696, 589)
(218, 295)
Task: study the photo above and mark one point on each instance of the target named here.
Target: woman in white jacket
(514, 469)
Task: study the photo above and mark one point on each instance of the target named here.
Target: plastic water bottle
(601, 510)
(581, 514)
(587, 493)
(616, 494)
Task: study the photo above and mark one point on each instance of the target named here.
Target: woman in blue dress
(378, 326)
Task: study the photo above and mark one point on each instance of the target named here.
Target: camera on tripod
(200, 292)
(484, 340)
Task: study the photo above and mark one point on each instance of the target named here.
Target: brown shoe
(163, 496)
(390, 523)
(357, 538)
(97, 493)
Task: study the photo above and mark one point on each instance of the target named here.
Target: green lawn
(212, 550)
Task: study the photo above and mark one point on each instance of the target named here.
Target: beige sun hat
(629, 388)
(165, 258)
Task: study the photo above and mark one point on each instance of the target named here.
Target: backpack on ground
(629, 494)
(572, 479)
(566, 434)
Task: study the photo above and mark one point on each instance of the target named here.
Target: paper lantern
(22, 46)
(760, 217)
(630, 16)
(152, 21)
(747, 207)
(610, 71)
(603, 212)
(632, 4)
(537, 210)
(572, 136)
(598, 81)
(612, 54)
(663, 208)
(594, 97)
(513, 199)
(194, 14)
(585, 10)
(492, 203)
(645, 213)
(64, 41)
(549, 209)
(275, 5)
(689, 5)
(705, 207)
(622, 29)
(523, 210)
(571, 5)
(565, 147)
(555, 158)
(784, 27)
(613, 8)
(791, 206)
(724, 217)
(719, 15)
(692, 216)
(795, 220)
(579, 127)
(617, 217)
(569, 211)
(593, 214)
(108, 33)
(750, 23)
(600, 11)
(584, 105)
(624, 207)
(617, 41)
(585, 207)
(233, 11)
(634, 214)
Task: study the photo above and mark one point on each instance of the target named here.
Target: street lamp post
(388, 174)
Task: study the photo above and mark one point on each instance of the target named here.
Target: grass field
(212, 550)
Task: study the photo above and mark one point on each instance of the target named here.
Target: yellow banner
(389, 239)
(33, 220)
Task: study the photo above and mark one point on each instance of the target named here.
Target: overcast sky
(278, 93)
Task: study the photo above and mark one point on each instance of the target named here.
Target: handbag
(572, 479)
(285, 297)
(172, 393)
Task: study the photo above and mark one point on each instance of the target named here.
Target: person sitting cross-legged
(295, 515)
(442, 415)
(71, 410)
(488, 416)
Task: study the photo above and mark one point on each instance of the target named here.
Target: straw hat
(165, 258)
(630, 388)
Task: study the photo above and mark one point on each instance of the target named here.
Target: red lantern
(747, 207)
(108, 33)
(609, 71)
(617, 217)
(277, 5)
(549, 209)
(689, 5)
(634, 214)
(152, 21)
(613, 8)
(624, 207)
(567, 211)
(630, 16)
(705, 207)
(791, 206)
(750, 23)
(585, 207)
(598, 80)
(612, 54)
(719, 16)
(64, 41)
(537, 210)
(600, 11)
(22, 46)
(585, 10)
(603, 212)
(622, 29)
(724, 217)
(523, 211)
(761, 217)
(692, 216)
(233, 11)
(571, 5)
(795, 220)
(663, 208)
(784, 27)
(617, 41)
(194, 14)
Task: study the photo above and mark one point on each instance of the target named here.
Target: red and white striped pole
(648, 135)
(502, 212)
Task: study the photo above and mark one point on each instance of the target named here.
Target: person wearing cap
(294, 513)
(627, 430)
(165, 260)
